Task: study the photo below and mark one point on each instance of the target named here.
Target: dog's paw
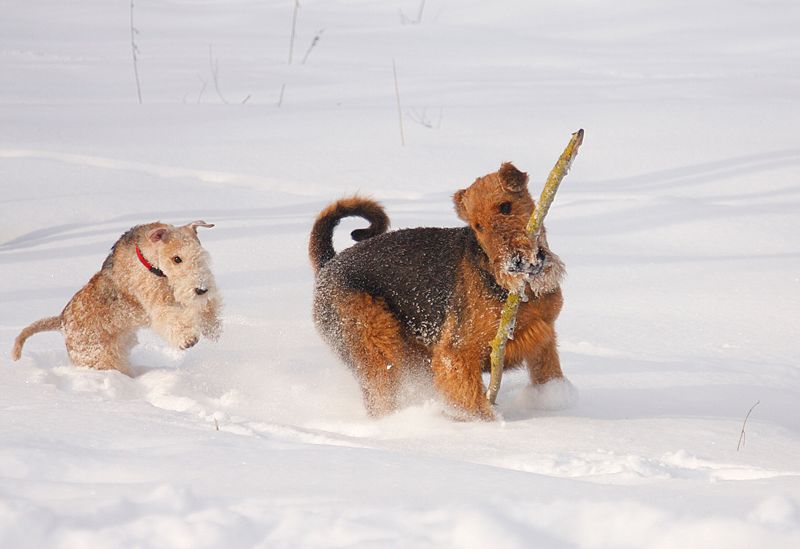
(189, 342)
(481, 411)
(486, 413)
(555, 394)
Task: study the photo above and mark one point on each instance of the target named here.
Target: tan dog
(429, 299)
(156, 275)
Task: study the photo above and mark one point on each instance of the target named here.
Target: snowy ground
(679, 226)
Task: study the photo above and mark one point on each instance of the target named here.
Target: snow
(678, 225)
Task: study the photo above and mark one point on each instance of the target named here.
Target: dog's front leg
(543, 363)
(210, 321)
(175, 324)
(535, 343)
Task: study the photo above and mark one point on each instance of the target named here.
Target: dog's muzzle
(519, 265)
(200, 291)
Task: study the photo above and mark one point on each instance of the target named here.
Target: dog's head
(183, 260)
(497, 207)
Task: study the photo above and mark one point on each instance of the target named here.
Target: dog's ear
(458, 202)
(156, 235)
(200, 223)
(511, 178)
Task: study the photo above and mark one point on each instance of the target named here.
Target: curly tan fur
(101, 320)
(429, 299)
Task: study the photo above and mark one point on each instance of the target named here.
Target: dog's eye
(505, 208)
(177, 259)
(478, 227)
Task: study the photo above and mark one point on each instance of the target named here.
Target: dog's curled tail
(44, 325)
(320, 245)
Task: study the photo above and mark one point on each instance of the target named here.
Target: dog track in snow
(171, 391)
(168, 390)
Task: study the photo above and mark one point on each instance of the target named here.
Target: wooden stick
(508, 316)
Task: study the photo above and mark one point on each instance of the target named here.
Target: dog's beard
(510, 280)
(542, 275)
(550, 276)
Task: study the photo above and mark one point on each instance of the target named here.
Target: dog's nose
(519, 265)
(516, 264)
(534, 269)
(200, 291)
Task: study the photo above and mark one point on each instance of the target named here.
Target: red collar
(155, 270)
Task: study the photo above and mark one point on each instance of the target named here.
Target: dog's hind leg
(99, 350)
(371, 341)
(461, 384)
(457, 375)
(95, 340)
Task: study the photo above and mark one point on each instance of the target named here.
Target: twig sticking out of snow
(294, 27)
(405, 20)
(421, 117)
(311, 47)
(744, 423)
(135, 53)
(214, 64)
(203, 89)
(280, 99)
(399, 109)
(419, 13)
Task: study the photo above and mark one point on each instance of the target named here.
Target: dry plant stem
(311, 47)
(405, 20)
(399, 110)
(202, 90)
(294, 27)
(744, 423)
(422, 118)
(280, 99)
(509, 314)
(215, 72)
(134, 51)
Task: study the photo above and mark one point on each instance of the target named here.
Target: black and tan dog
(429, 299)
